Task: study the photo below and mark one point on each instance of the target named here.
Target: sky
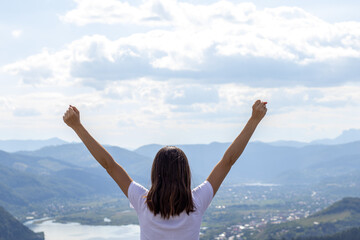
(179, 72)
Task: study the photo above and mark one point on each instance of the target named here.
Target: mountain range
(68, 171)
(263, 162)
(347, 136)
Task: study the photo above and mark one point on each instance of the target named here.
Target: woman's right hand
(259, 110)
(72, 117)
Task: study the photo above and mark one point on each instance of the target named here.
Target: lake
(76, 231)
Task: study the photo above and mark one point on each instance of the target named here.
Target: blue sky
(176, 72)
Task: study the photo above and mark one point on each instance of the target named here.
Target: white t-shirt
(179, 227)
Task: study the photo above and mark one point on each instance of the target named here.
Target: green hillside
(43, 180)
(79, 156)
(12, 229)
(351, 234)
(338, 217)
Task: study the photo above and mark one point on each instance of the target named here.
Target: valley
(271, 187)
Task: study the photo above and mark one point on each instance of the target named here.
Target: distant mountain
(340, 216)
(62, 172)
(346, 136)
(69, 171)
(260, 162)
(28, 145)
(202, 157)
(283, 143)
(12, 229)
(33, 164)
(77, 154)
(267, 163)
(149, 150)
(27, 180)
(335, 170)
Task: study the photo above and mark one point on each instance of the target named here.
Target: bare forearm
(223, 167)
(239, 144)
(98, 151)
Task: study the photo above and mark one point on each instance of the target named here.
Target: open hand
(259, 110)
(72, 117)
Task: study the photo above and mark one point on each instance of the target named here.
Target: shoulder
(203, 187)
(203, 195)
(135, 187)
(137, 194)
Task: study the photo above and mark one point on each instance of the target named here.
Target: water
(258, 184)
(76, 231)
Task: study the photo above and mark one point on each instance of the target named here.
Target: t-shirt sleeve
(136, 195)
(203, 194)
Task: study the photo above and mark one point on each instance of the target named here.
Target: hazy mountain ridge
(69, 170)
(267, 163)
(322, 162)
(347, 136)
(259, 162)
(29, 177)
(36, 182)
(78, 155)
(202, 157)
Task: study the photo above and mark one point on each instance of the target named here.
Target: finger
(75, 109)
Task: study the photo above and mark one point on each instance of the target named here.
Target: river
(76, 231)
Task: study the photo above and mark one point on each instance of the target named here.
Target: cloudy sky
(176, 72)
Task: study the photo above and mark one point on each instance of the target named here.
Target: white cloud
(42, 68)
(170, 112)
(192, 93)
(16, 33)
(114, 12)
(218, 42)
(25, 112)
(189, 74)
(280, 33)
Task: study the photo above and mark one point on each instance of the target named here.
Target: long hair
(170, 192)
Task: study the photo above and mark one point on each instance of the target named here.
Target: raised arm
(72, 119)
(223, 167)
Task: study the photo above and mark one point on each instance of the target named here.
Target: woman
(169, 210)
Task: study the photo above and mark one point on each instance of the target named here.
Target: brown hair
(170, 192)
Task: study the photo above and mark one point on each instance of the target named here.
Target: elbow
(108, 165)
(229, 159)
(109, 169)
(232, 156)
(232, 162)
